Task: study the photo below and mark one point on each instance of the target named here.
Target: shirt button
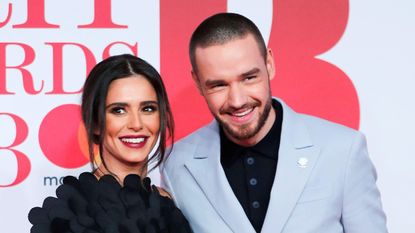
(253, 181)
(255, 204)
(250, 160)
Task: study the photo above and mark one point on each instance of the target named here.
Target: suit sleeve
(362, 208)
(165, 183)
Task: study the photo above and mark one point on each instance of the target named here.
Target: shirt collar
(268, 146)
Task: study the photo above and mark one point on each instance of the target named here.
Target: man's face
(234, 80)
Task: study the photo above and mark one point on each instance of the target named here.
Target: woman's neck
(119, 173)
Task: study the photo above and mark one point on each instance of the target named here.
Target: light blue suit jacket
(325, 182)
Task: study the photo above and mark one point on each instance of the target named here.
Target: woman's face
(132, 123)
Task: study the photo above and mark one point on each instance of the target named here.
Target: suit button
(250, 160)
(255, 204)
(253, 181)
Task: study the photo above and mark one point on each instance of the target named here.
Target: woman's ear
(95, 138)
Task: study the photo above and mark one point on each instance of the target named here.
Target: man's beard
(247, 131)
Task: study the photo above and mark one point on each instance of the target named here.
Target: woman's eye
(118, 110)
(150, 108)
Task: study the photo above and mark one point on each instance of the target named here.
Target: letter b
(23, 162)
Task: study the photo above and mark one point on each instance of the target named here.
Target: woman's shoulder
(163, 192)
(79, 202)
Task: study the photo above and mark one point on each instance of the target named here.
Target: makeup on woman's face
(132, 122)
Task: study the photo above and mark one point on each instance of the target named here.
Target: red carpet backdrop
(348, 61)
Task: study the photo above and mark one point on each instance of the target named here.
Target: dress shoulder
(86, 204)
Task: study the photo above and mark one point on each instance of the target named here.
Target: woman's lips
(134, 141)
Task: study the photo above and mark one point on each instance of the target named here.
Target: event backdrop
(348, 61)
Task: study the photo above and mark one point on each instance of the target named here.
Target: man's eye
(216, 86)
(250, 78)
(118, 110)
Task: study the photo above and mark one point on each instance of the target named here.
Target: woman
(128, 119)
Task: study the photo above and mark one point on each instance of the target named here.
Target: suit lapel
(206, 169)
(292, 173)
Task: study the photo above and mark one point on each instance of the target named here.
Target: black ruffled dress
(88, 205)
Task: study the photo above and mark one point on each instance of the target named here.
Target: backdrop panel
(348, 61)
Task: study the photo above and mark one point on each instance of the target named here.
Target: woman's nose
(135, 122)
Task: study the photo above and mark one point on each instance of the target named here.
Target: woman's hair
(94, 99)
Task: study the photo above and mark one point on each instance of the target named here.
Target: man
(260, 166)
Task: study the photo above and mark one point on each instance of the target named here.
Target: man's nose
(236, 97)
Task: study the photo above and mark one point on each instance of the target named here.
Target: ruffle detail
(88, 205)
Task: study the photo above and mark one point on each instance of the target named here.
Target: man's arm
(165, 183)
(362, 208)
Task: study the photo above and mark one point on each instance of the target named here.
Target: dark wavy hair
(221, 28)
(94, 97)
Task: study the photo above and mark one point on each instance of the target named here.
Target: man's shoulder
(185, 148)
(198, 136)
(320, 123)
(329, 131)
(315, 124)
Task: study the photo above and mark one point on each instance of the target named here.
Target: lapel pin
(302, 162)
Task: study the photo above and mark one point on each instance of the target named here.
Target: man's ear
(270, 64)
(197, 82)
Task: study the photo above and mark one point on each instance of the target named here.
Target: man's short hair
(221, 28)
